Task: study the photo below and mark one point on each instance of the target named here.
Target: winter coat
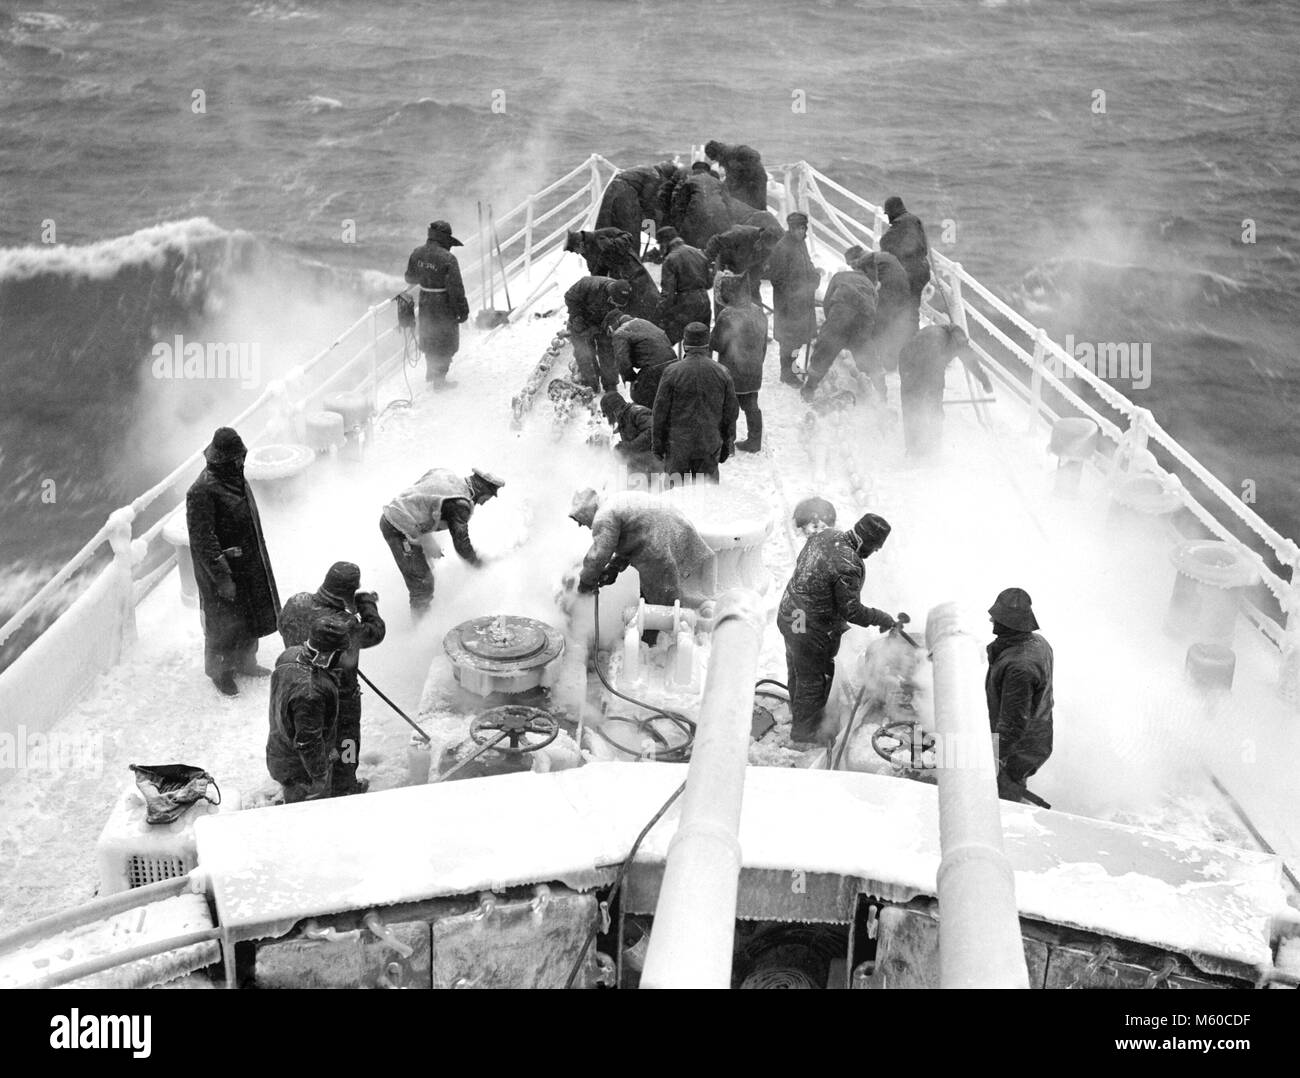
(695, 409)
(740, 249)
(740, 338)
(366, 630)
(922, 366)
(221, 513)
(746, 176)
(638, 529)
(824, 595)
(634, 425)
(612, 253)
(304, 711)
(1018, 686)
(439, 501)
(589, 304)
(642, 351)
(432, 266)
(905, 240)
(685, 281)
(794, 291)
(698, 210)
(631, 197)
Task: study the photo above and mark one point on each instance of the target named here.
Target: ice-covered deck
(1132, 741)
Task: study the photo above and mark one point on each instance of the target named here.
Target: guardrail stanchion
(1036, 381)
(528, 239)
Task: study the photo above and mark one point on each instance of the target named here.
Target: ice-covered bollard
(1211, 666)
(324, 431)
(1073, 442)
(1211, 576)
(177, 533)
(358, 412)
(734, 524)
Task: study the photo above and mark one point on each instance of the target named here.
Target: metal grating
(143, 869)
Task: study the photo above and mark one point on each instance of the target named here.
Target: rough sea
(220, 166)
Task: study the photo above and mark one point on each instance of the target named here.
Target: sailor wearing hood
(237, 597)
(443, 306)
(1019, 691)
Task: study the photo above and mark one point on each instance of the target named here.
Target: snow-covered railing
(90, 635)
(839, 218)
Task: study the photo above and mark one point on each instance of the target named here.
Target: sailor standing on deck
(794, 293)
(905, 240)
(439, 501)
(237, 597)
(441, 298)
(685, 283)
(1018, 686)
(304, 707)
(338, 595)
(922, 367)
(695, 411)
(822, 599)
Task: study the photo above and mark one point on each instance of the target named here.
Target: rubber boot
(225, 683)
(753, 435)
(787, 370)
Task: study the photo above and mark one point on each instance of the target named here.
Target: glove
(366, 597)
(226, 590)
(607, 578)
(726, 452)
(886, 624)
(585, 589)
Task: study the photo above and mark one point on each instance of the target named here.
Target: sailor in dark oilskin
(746, 177)
(1018, 686)
(794, 293)
(304, 707)
(739, 338)
(905, 240)
(590, 303)
(695, 410)
(922, 367)
(237, 597)
(821, 600)
(684, 285)
(340, 594)
(441, 298)
(850, 304)
(632, 197)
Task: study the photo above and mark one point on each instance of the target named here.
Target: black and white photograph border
(651, 494)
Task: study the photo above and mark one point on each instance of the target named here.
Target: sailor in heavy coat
(744, 250)
(633, 197)
(639, 529)
(739, 338)
(634, 425)
(610, 252)
(922, 365)
(821, 600)
(699, 210)
(238, 602)
(304, 705)
(590, 302)
(746, 177)
(850, 304)
(684, 285)
(895, 321)
(441, 299)
(339, 595)
(1018, 686)
(794, 293)
(439, 501)
(905, 240)
(695, 410)
(642, 353)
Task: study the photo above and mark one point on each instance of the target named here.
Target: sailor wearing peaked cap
(488, 479)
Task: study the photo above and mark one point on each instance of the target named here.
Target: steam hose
(673, 754)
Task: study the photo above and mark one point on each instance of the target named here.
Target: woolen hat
(695, 335)
(442, 230)
(1014, 609)
(893, 207)
(619, 293)
(852, 254)
(585, 504)
(342, 581)
(665, 235)
(612, 403)
(329, 632)
(814, 509)
(796, 218)
(226, 445)
(872, 531)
